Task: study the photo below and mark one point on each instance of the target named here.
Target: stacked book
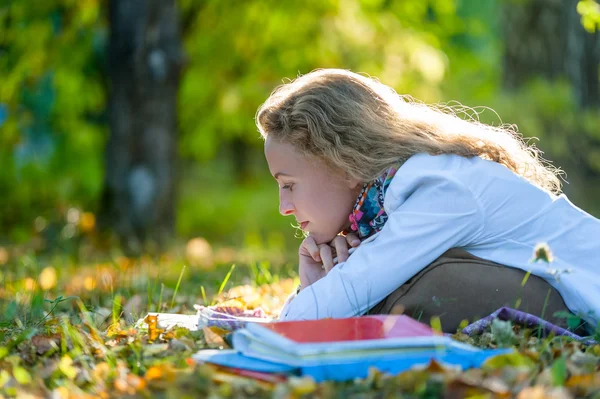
(340, 349)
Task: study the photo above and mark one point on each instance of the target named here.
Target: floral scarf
(368, 215)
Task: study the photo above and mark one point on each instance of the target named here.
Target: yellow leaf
(160, 376)
(135, 382)
(66, 367)
(4, 377)
(153, 330)
(586, 382)
(512, 359)
(303, 386)
(21, 375)
(101, 371)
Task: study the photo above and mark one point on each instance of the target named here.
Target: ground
(69, 330)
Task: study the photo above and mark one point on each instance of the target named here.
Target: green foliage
(503, 333)
(546, 114)
(590, 14)
(53, 98)
(237, 54)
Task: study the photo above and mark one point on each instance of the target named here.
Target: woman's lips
(303, 225)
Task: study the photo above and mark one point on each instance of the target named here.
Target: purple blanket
(526, 319)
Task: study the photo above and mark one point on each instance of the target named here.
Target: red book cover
(350, 329)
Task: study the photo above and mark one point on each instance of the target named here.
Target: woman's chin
(321, 238)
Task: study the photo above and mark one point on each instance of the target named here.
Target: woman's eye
(287, 187)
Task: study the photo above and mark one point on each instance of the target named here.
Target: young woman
(442, 214)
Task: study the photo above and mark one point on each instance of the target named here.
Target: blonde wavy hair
(358, 125)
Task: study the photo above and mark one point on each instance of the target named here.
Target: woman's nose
(285, 207)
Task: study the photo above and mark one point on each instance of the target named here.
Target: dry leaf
(435, 367)
(160, 376)
(129, 384)
(44, 343)
(214, 338)
(153, 330)
(585, 384)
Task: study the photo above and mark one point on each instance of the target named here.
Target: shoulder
(433, 184)
(422, 171)
(423, 164)
(447, 183)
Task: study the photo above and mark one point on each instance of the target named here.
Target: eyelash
(287, 187)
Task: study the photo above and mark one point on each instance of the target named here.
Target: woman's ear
(353, 182)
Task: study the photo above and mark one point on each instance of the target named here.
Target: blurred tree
(144, 66)
(545, 38)
(546, 46)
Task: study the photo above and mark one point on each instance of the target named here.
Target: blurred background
(134, 119)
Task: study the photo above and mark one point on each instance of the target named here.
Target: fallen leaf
(435, 367)
(497, 386)
(160, 376)
(214, 338)
(4, 378)
(302, 385)
(153, 330)
(66, 367)
(513, 359)
(584, 385)
(101, 371)
(45, 343)
(540, 392)
(130, 384)
(21, 375)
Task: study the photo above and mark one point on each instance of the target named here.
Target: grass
(68, 330)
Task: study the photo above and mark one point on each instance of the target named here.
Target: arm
(430, 215)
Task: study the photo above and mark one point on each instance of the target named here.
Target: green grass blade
(177, 286)
(225, 280)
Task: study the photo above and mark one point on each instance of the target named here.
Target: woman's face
(320, 199)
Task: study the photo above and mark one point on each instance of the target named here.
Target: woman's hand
(316, 260)
(341, 244)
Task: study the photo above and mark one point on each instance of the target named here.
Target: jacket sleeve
(428, 215)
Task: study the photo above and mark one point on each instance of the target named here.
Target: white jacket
(435, 203)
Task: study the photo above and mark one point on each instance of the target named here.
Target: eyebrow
(276, 175)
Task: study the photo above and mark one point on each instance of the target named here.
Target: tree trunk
(144, 63)
(545, 38)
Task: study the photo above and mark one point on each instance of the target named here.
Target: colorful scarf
(368, 215)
